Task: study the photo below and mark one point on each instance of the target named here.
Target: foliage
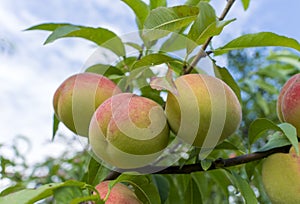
(255, 75)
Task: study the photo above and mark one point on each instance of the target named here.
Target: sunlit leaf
(291, 133)
(162, 21)
(261, 39)
(245, 4)
(101, 36)
(276, 140)
(157, 3)
(140, 9)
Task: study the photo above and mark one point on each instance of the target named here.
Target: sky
(30, 72)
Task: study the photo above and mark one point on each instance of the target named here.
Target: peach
(128, 131)
(119, 194)
(204, 111)
(281, 177)
(78, 97)
(288, 103)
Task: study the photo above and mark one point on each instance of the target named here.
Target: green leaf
(206, 163)
(244, 187)
(157, 3)
(152, 60)
(67, 194)
(261, 39)
(164, 83)
(221, 179)
(206, 25)
(54, 126)
(101, 36)
(144, 188)
(245, 4)
(163, 186)
(260, 126)
(276, 140)
(104, 69)
(285, 57)
(140, 10)
(96, 172)
(29, 196)
(161, 21)
(48, 26)
(224, 75)
(192, 194)
(291, 133)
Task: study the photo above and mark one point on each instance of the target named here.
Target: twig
(202, 53)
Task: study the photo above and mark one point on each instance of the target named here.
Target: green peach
(119, 194)
(78, 97)
(288, 103)
(281, 177)
(128, 131)
(204, 111)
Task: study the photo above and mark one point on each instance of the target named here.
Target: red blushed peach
(128, 131)
(78, 97)
(119, 194)
(288, 103)
(204, 111)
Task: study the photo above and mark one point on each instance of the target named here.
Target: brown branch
(202, 53)
(218, 163)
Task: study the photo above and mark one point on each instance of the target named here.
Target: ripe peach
(128, 131)
(204, 111)
(119, 194)
(78, 97)
(281, 177)
(288, 103)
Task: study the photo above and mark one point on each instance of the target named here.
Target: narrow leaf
(261, 39)
(140, 9)
(244, 187)
(245, 4)
(164, 83)
(54, 126)
(276, 140)
(152, 60)
(157, 3)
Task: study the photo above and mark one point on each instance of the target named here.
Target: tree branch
(202, 53)
(218, 163)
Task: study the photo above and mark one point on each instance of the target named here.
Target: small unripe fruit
(288, 103)
(128, 131)
(119, 194)
(78, 97)
(204, 111)
(281, 177)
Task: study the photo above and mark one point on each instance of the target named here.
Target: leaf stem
(201, 52)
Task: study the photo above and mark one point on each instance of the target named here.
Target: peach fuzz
(128, 131)
(76, 99)
(288, 103)
(204, 111)
(119, 194)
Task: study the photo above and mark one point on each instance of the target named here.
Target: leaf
(140, 10)
(101, 36)
(104, 69)
(96, 172)
(163, 186)
(260, 126)
(206, 25)
(164, 83)
(192, 194)
(54, 126)
(161, 21)
(291, 133)
(221, 179)
(206, 163)
(67, 194)
(152, 60)
(144, 188)
(276, 140)
(245, 4)
(223, 74)
(157, 3)
(261, 39)
(28, 196)
(244, 187)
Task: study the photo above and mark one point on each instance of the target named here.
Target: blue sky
(30, 72)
